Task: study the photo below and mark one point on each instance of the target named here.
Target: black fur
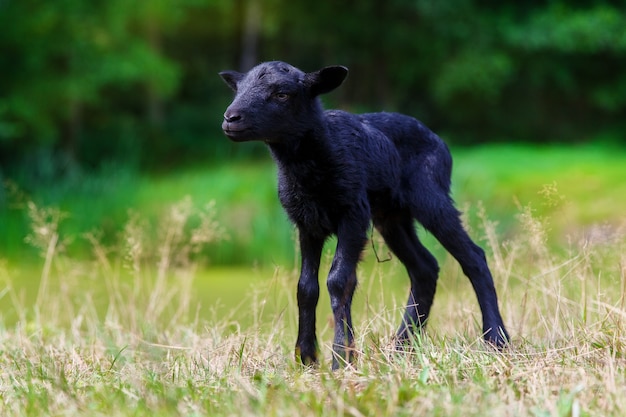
(336, 172)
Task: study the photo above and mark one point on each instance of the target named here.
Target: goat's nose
(231, 116)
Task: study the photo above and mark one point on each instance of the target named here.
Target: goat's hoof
(409, 338)
(499, 338)
(403, 344)
(343, 357)
(306, 359)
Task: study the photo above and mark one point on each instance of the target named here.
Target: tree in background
(70, 67)
(86, 82)
(477, 70)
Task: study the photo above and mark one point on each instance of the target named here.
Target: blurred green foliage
(579, 190)
(84, 83)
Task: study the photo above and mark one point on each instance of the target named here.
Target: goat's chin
(240, 135)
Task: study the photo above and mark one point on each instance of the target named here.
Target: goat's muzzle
(234, 129)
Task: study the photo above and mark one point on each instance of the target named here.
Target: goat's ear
(326, 79)
(231, 78)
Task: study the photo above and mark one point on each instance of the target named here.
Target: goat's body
(337, 173)
(380, 156)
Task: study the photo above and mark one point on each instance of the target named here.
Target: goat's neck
(309, 146)
(303, 157)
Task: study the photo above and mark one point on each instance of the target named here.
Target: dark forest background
(89, 83)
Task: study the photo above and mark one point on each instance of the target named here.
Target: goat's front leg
(308, 295)
(341, 283)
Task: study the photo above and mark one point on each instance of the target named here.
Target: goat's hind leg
(402, 239)
(445, 224)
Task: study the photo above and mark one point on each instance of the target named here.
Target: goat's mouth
(237, 134)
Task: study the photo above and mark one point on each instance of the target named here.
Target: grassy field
(136, 323)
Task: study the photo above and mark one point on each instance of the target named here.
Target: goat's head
(275, 101)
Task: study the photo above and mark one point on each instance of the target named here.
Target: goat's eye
(281, 96)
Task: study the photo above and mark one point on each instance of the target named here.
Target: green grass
(94, 342)
(585, 185)
(143, 317)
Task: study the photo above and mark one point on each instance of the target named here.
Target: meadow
(175, 295)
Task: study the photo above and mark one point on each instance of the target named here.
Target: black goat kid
(336, 172)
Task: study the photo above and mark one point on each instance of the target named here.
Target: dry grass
(148, 352)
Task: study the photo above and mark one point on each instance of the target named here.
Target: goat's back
(407, 133)
(422, 152)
